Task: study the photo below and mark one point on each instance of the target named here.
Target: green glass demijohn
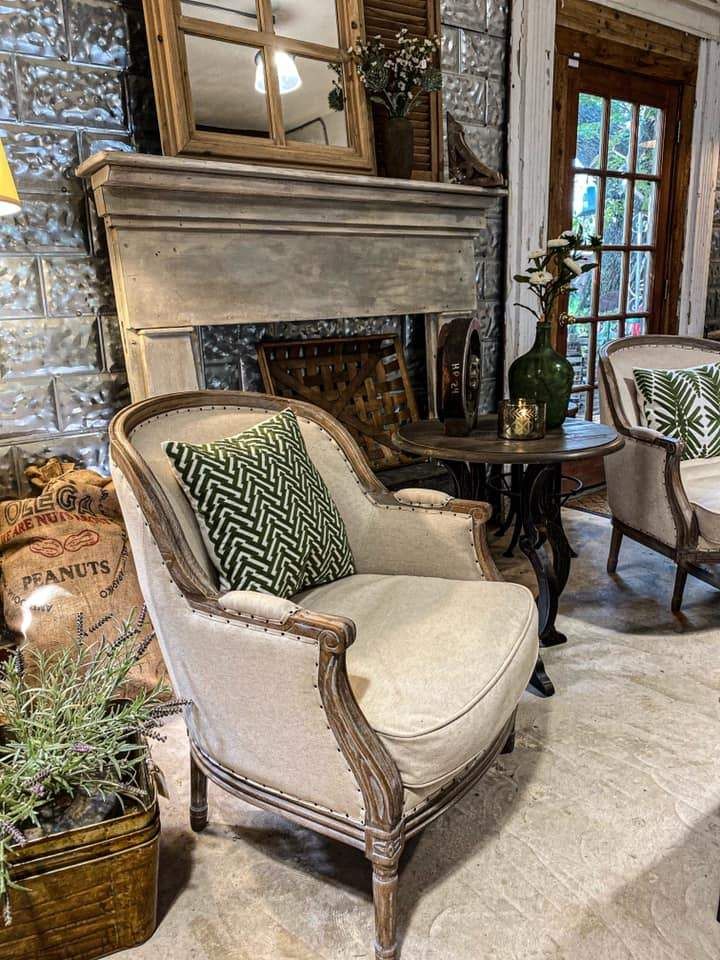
(543, 375)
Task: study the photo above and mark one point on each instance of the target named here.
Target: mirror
(211, 65)
(258, 80)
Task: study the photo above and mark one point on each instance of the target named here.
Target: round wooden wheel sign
(458, 374)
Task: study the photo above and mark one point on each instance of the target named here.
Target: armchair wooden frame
(386, 827)
(686, 552)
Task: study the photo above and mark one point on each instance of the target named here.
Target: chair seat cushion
(701, 479)
(438, 666)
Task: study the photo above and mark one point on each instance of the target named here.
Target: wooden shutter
(421, 18)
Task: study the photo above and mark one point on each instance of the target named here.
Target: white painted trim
(530, 110)
(701, 192)
(529, 138)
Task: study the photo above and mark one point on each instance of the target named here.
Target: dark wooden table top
(574, 440)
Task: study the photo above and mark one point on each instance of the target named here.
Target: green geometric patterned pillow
(684, 404)
(267, 518)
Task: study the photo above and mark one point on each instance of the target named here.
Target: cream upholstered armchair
(669, 504)
(362, 708)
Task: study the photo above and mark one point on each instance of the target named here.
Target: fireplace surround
(197, 243)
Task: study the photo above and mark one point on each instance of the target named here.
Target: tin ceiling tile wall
(46, 223)
(37, 347)
(20, 287)
(65, 74)
(8, 88)
(474, 63)
(42, 159)
(33, 26)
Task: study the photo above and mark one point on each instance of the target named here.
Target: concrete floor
(597, 839)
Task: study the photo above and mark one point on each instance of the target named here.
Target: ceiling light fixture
(287, 72)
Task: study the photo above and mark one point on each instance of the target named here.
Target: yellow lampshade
(9, 200)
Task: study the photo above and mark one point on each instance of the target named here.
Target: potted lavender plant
(395, 77)
(79, 824)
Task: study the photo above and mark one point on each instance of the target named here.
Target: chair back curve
(136, 437)
(619, 403)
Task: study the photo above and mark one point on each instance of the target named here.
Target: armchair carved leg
(681, 575)
(384, 854)
(615, 543)
(198, 797)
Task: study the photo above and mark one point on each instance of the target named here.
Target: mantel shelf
(216, 170)
(131, 186)
(200, 242)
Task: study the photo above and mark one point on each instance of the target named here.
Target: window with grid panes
(618, 187)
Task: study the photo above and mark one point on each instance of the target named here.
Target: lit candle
(521, 420)
(522, 425)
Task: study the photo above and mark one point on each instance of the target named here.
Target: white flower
(560, 242)
(573, 265)
(541, 277)
(568, 233)
(536, 254)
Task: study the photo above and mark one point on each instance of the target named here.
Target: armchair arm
(420, 497)
(441, 537)
(655, 438)
(375, 773)
(259, 606)
(645, 489)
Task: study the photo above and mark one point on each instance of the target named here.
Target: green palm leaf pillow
(265, 513)
(685, 405)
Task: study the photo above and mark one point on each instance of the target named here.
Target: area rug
(597, 839)
(594, 501)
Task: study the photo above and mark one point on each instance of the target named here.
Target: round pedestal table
(539, 465)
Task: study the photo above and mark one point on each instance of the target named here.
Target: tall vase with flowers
(542, 374)
(394, 77)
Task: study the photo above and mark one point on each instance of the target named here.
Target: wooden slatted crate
(363, 381)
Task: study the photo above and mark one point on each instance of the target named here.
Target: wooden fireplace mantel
(198, 242)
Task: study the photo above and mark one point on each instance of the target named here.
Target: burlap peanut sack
(66, 552)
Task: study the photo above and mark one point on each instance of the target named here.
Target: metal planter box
(88, 891)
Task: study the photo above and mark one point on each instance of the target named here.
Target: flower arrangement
(553, 269)
(394, 77)
(65, 732)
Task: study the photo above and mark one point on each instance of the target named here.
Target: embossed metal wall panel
(20, 287)
(65, 71)
(47, 346)
(75, 285)
(33, 26)
(474, 63)
(42, 159)
(63, 93)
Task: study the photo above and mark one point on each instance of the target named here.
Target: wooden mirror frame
(166, 29)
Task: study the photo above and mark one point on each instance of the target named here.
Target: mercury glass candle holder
(521, 420)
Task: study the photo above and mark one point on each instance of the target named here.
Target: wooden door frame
(531, 94)
(599, 52)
